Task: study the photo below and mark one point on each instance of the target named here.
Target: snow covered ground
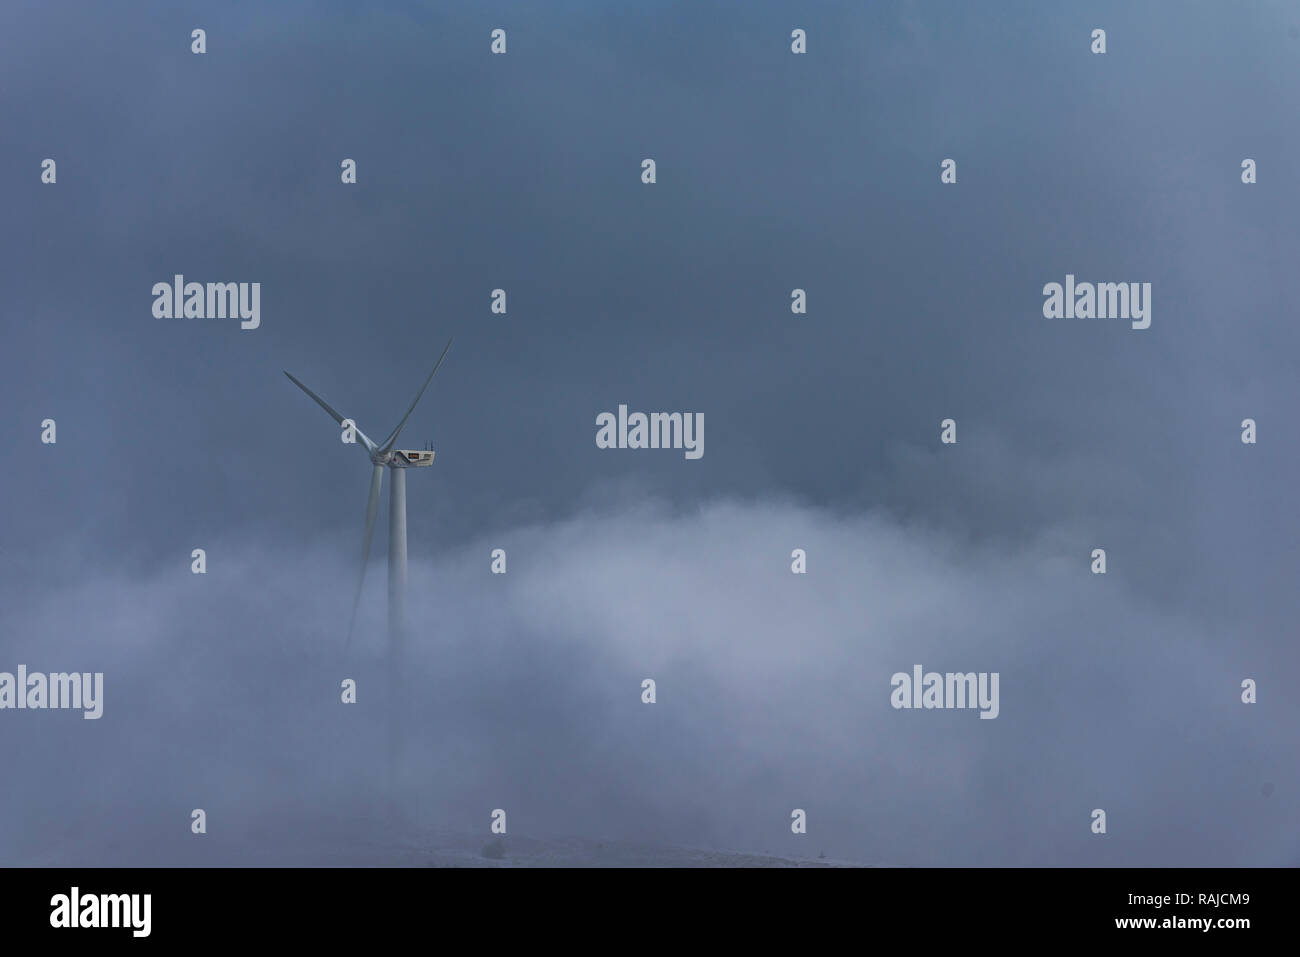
(295, 840)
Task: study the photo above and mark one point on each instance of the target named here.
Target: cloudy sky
(774, 172)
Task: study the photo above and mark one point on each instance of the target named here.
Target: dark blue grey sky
(775, 171)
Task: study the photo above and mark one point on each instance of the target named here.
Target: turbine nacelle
(409, 459)
(402, 458)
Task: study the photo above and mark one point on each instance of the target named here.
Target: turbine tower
(384, 456)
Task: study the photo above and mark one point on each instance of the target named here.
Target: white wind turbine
(384, 456)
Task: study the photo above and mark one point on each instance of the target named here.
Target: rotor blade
(388, 442)
(372, 508)
(330, 409)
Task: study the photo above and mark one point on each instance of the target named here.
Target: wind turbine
(384, 456)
